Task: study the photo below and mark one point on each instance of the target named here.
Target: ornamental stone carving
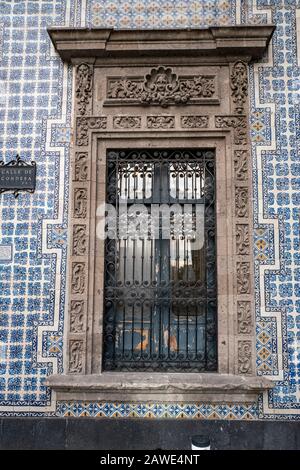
(86, 123)
(124, 89)
(79, 240)
(127, 122)
(198, 87)
(78, 278)
(242, 239)
(160, 122)
(75, 356)
(239, 85)
(81, 166)
(194, 122)
(238, 124)
(80, 203)
(161, 87)
(84, 74)
(244, 357)
(243, 278)
(241, 202)
(244, 317)
(241, 165)
(76, 316)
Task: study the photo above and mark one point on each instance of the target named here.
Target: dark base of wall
(131, 434)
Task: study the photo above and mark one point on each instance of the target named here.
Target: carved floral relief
(78, 278)
(75, 356)
(80, 203)
(243, 278)
(241, 202)
(126, 122)
(160, 122)
(244, 357)
(76, 316)
(244, 317)
(237, 123)
(81, 166)
(194, 122)
(241, 164)
(79, 240)
(242, 239)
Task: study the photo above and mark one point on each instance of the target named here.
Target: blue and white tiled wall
(35, 121)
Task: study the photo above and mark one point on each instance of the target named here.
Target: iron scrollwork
(160, 296)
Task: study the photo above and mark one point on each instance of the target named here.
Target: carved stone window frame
(164, 89)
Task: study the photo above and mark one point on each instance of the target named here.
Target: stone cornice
(249, 42)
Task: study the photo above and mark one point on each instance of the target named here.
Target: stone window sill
(159, 387)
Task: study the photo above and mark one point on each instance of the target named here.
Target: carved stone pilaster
(124, 88)
(245, 357)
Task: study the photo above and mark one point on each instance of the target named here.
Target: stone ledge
(242, 40)
(142, 387)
